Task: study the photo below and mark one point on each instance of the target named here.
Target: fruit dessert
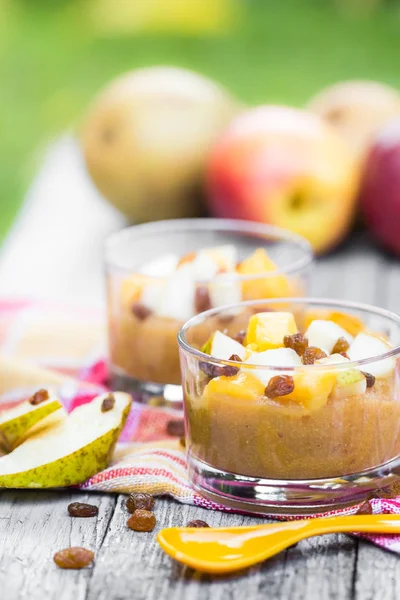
(147, 309)
(288, 399)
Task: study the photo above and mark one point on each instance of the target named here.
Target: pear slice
(279, 357)
(16, 422)
(324, 334)
(70, 452)
(349, 383)
(222, 346)
(366, 345)
(163, 266)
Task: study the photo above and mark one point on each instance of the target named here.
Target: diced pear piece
(243, 386)
(269, 286)
(16, 422)
(222, 346)
(266, 330)
(366, 345)
(225, 256)
(352, 324)
(312, 389)
(349, 383)
(225, 289)
(333, 359)
(70, 452)
(177, 295)
(280, 357)
(324, 334)
(163, 266)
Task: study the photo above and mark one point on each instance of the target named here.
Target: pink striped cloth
(65, 345)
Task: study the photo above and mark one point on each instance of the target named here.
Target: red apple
(287, 167)
(380, 188)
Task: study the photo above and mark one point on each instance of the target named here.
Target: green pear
(70, 452)
(349, 383)
(17, 422)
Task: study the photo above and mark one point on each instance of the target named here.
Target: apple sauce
(269, 439)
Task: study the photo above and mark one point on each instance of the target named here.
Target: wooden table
(129, 566)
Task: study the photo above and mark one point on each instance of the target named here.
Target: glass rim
(202, 224)
(323, 302)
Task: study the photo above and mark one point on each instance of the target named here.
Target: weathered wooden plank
(33, 526)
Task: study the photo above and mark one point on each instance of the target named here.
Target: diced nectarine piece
(242, 386)
(311, 389)
(131, 289)
(267, 330)
(272, 286)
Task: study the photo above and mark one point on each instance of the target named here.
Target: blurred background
(57, 55)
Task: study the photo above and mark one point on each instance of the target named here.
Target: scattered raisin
(202, 300)
(39, 397)
(297, 342)
(240, 336)
(73, 558)
(176, 427)
(197, 523)
(139, 500)
(182, 442)
(311, 354)
(108, 403)
(235, 358)
(370, 379)
(342, 345)
(365, 509)
(142, 520)
(141, 311)
(280, 385)
(79, 509)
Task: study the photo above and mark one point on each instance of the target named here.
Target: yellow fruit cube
(266, 330)
(272, 286)
(312, 389)
(242, 386)
(131, 289)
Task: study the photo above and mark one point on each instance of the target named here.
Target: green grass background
(52, 63)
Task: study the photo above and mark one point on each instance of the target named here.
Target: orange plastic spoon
(226, 549)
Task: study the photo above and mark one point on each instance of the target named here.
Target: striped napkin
(45, 344)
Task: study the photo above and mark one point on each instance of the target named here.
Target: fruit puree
(308, 422)
(147, 309)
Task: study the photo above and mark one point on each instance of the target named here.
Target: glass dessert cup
(148, 302)
(332, 442)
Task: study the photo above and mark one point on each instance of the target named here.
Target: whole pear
(146, 138)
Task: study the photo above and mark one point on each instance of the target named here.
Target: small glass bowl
(258, 454)
(143, 352)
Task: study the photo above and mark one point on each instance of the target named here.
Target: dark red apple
(380, 187)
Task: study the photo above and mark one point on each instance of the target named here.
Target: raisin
(141, 311)
(280, 385)
(197, 523)
(370, 379)
(240, 336)
(176, 427)
(235, 358)
(342, 345)
(344, 354)
(142, 520)
(365, 509)
(79, 509)
(39, 397)
(311, 354)
(108, 403)
(182, 442)
(218, 370)
(202, 299)
(139, 500)
(73, 558)
(296, 342)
